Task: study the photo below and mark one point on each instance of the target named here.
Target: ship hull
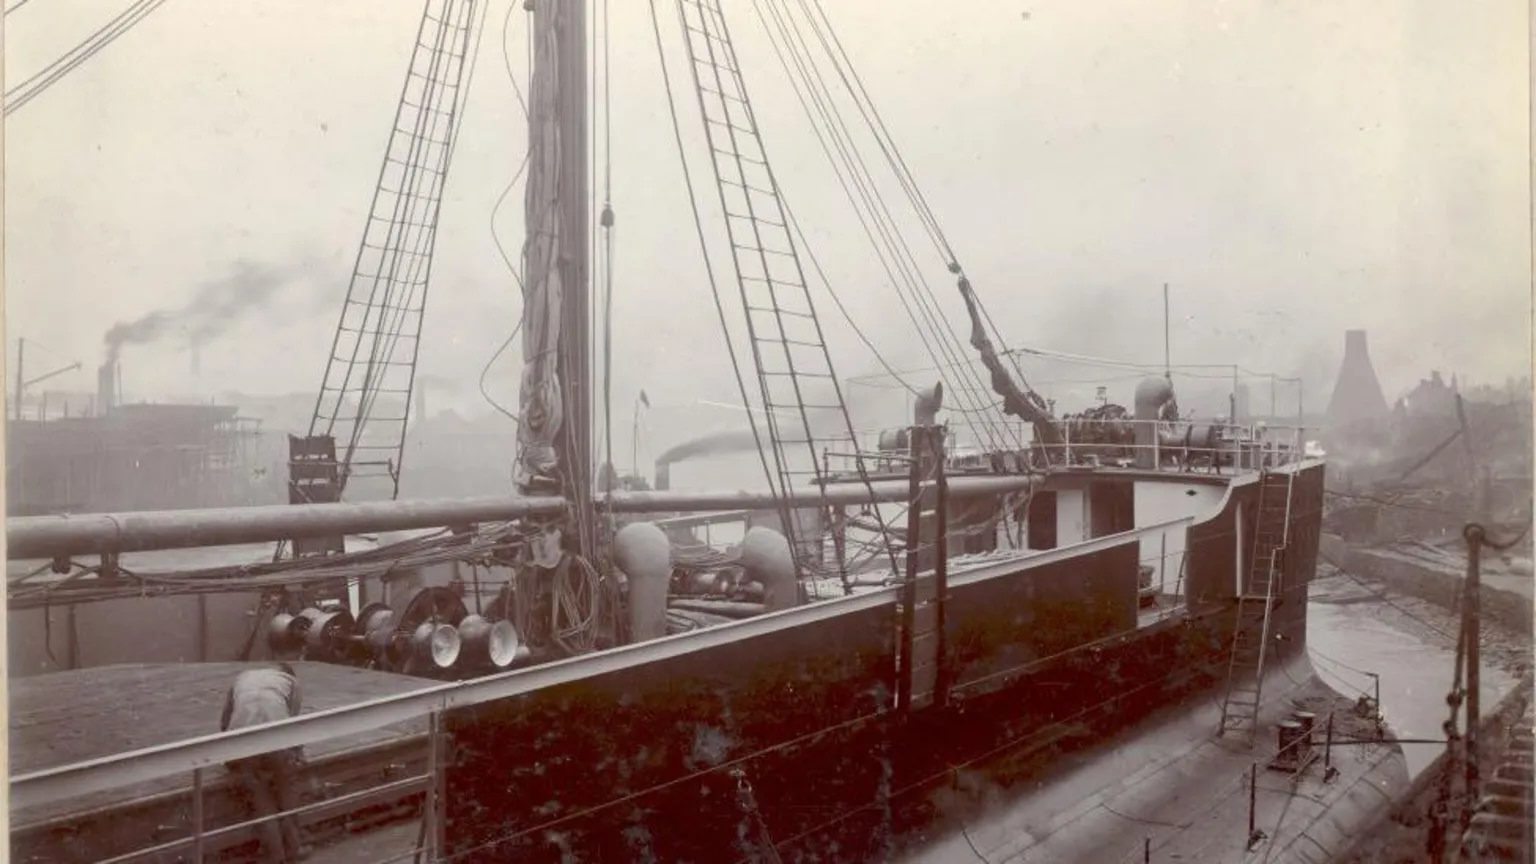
(654, 763)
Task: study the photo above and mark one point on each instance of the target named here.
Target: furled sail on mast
(1023, 403)
(541, 400)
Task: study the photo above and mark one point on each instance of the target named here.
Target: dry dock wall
(1509, 608)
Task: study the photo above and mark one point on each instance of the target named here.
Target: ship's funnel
(926, 408)
(712, 444)
(1152, 394)
(1357, 393)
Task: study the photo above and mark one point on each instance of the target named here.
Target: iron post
(1470, 611)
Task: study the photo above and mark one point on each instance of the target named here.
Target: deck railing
(1180, 446)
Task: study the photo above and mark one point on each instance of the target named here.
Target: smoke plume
(730, 441)
(215, 307)
(823, 422)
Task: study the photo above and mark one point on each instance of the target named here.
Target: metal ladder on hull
(1256, 604)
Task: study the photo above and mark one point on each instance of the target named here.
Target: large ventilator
(642, 551)
(766, 557)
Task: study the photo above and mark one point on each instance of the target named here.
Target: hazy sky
(1291, 169)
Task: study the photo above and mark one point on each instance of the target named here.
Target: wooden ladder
(921, 678)
(1255, 606)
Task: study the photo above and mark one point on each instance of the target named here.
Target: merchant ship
(587, 670)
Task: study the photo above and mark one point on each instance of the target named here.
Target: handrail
(112, 533)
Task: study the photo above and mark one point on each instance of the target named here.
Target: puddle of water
(1415, 672)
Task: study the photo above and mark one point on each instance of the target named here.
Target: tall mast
(555, 434)
(576, 369)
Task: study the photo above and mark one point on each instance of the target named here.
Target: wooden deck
(69, 717)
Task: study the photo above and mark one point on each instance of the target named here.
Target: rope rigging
(876, 220)
(897, 162)
(501, 249)
(49, 75)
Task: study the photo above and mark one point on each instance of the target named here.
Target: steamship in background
(819, 670)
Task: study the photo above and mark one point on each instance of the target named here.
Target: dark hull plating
(645, 765)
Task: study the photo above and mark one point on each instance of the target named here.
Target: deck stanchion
(431, 825)
(197, 816)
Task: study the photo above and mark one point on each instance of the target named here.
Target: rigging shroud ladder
(378, 335)
(789, 351)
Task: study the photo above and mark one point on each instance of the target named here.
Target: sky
(1289, 169)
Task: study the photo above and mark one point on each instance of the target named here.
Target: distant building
(1431, 398)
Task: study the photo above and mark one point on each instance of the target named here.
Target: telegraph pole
(1470, 607)
(1470, 622)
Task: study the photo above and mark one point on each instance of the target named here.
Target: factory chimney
(106, 387)
(1357, 393)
